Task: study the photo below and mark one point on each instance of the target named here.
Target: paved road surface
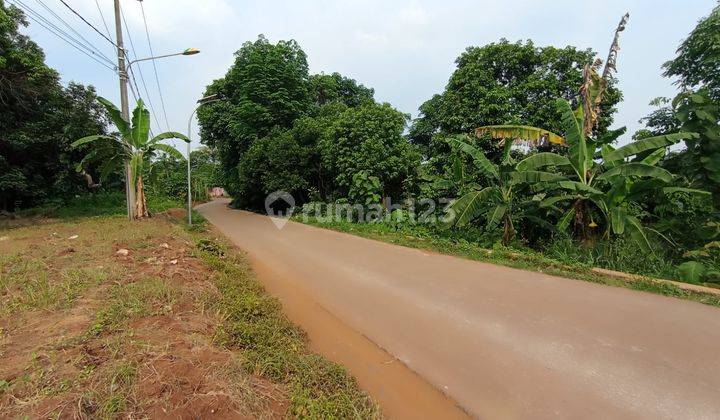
(503, 343)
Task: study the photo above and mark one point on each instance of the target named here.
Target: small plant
(365, 189)
(133, 147)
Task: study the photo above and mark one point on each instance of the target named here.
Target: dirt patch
(89, 331)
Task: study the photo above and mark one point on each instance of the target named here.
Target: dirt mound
(174, 214)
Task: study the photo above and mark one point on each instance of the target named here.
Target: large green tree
(327, 88)
(507, 83)
(697, 64)
(39, 118)
(266, 89)
(370, 138)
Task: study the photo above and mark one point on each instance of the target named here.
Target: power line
(88, 23)
(139, 69)
(42, 21)
(99, 52)
(45, 22)
(102, 16)
(157, 78)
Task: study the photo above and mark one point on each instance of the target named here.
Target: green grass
(102, 203)
(427, 239)
(275, 348)
(144, 297)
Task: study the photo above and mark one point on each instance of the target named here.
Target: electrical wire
(89, 24)
(157, 78)
(42, 21)
(140, 72)
(86, 42)
(46, 23)
(102, 16)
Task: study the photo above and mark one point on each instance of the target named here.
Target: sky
(404, 49)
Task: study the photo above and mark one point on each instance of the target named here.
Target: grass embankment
(105, 318)
(522, 259)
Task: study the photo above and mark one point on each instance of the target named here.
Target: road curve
(501, 342)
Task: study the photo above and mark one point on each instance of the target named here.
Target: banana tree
(132, 144)
(500, 202)
(597, 178)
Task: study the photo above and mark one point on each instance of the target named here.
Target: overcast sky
(405, 50)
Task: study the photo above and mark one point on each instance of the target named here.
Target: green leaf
(650, 143)
(691, 271)
(169, 150)
(88, 139)
(468, 207)
(541, 160)
(655, 157)
(553, 200)
(140, 125)
(497, 215)
(519, 132)
(535, 177)
(458, 171)
(169, 135)
(638, 169)
(637, 232)
(481, 161)
(564, 221)
(578, 187)
(672, 190)
(575, 137)
(116, 116)
(108, 166)
(618, 216)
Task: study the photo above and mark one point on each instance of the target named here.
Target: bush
(620, 254)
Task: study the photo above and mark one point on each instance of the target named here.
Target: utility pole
(125, 108)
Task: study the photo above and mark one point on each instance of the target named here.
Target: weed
(275, 348)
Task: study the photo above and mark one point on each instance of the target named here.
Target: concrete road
(501, 342)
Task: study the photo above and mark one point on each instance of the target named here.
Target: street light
(189, 51)
(201, 102)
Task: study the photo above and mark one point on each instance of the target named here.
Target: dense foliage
(284, 129)
(39, 118)
(507, 83)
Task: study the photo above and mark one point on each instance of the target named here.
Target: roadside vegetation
(519, 152)
(104, 318)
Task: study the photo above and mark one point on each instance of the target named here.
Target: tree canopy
(697, 64)
(508, 83)
(38, 120)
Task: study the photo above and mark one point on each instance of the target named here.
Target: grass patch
(103, 203)
(146, 297)
(525, 259)
(275, 348)
(169, 326)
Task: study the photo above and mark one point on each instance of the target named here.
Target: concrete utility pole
(125, 108)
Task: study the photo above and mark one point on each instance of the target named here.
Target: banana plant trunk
(508, 230)
(581, 220)
(141, 209)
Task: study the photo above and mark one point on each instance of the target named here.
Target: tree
(369, 138)
(500, 202)
(598, 180)
(38, 120)
(327, 88)
(508, 83)
(267, 88)
(697, 64)
(132, 144)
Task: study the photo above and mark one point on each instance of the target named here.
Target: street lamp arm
(189, 51)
